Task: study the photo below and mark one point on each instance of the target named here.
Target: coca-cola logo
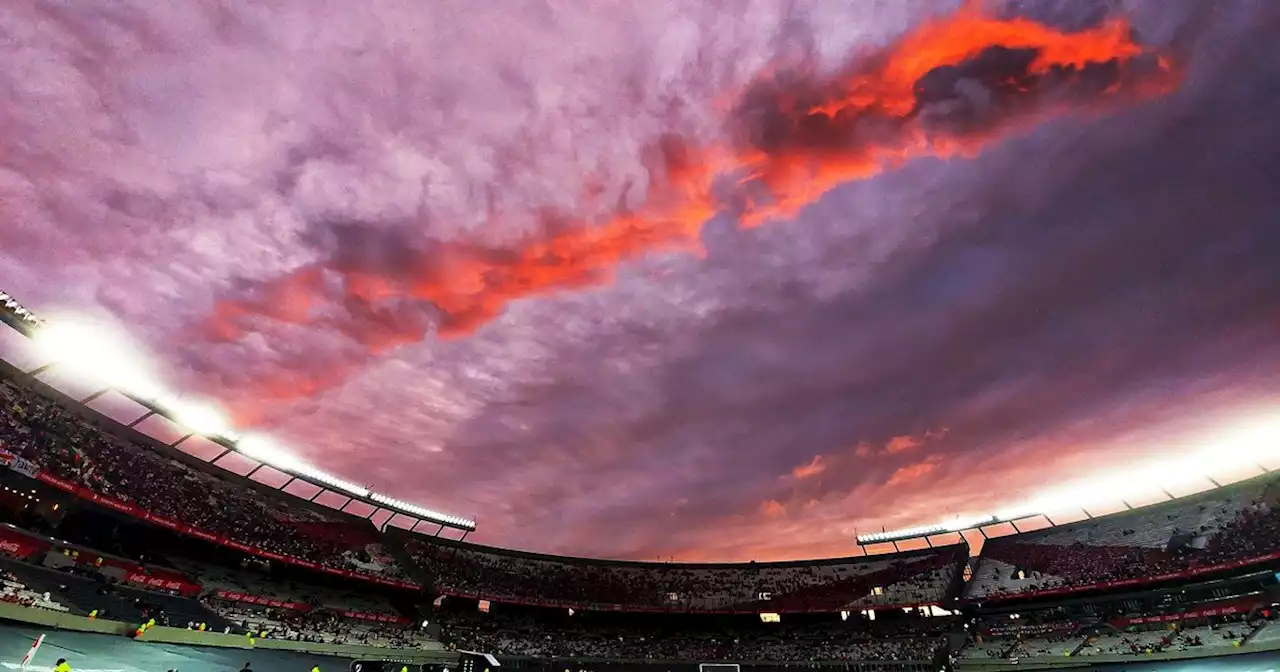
(10, 546)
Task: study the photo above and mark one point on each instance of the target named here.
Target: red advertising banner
(136, 512)
(1145, 580)
(275, 603)
(376, 617)
(59, 483)
(1203, 611)
(164, 583)
(19, 545)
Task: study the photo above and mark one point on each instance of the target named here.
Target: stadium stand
(830, 585)
(1223, 635)
(536, 633)
(1238, 525)
(81, 592)
(635, 611)
(76, 454)
(1145, 623)
(316, 626)
(275, 607)
(16, 592)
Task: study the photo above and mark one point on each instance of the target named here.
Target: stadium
(701, 336)
(124, 553)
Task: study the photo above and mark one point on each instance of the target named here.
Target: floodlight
(201, 418)
(419, 511)
(97, 350)
(266, 451)
(334, 481)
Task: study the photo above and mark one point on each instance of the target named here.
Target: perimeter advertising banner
(19, 545)
(1227, 608)
(261, 600)
(164, 583)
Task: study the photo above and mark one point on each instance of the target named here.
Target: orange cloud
(772, 508)
(811, 468)
(901, 444)
(913, 472)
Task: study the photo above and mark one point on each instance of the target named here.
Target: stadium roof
(117, 374)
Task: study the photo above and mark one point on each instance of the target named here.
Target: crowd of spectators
(1237, 523)
(531, 579)
(14, 591)
(72, 449)
(1117, 643)
(1070, 638)
(657, 640)
(317, 626)
(251, 579)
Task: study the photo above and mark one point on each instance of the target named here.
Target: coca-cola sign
(1228, 608)
(261, 600)
(376, 617)
(19, 545)
(164, 583)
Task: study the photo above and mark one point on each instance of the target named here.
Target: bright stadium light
(97, 350)
(405, 507)
(1243, 444)
(200, 418)
(102, 351)
(265, 450)
(335, 482)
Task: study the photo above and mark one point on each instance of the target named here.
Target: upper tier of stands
(830, 585)
(69, 448)
(1235, 524)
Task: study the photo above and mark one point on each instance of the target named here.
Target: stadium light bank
(1245, 444)
(82, 348)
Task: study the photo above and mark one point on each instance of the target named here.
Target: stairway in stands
(393, 540)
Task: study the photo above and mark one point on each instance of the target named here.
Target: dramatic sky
(706, 280)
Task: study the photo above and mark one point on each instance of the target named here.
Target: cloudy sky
(705, 280)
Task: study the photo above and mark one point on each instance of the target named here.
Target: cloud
(912, 472)
(809, 469)
(772, 508)
(901, 444)
(797, 133)
(422, 263)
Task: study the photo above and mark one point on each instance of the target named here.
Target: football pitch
(106, 653)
